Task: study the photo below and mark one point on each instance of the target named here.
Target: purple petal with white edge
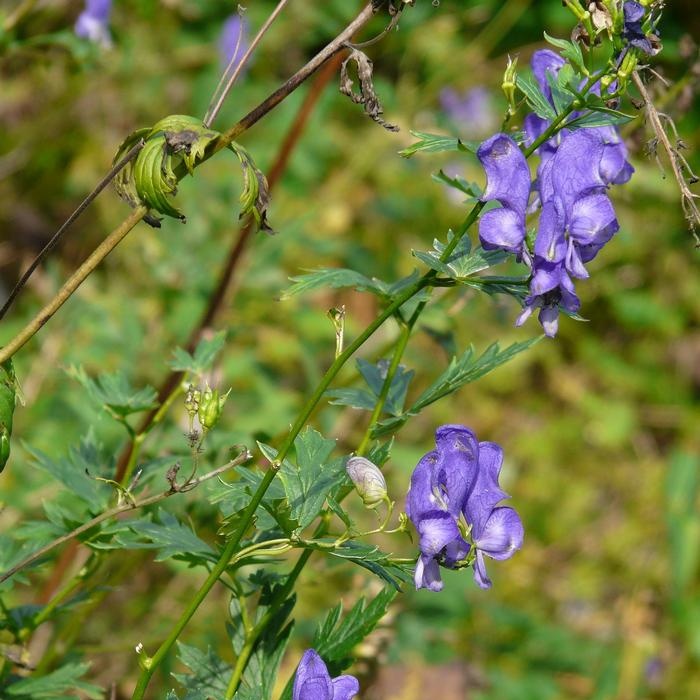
(550, 244)
(427, 575)
(593, 221)
(502, 228)
(576, 168)
(485, 493)
(543, 62)
(507, 173)
(312, 680)
(345, 687)
(457, 450)
(480, 575)
(526, 312)
(436, 531)
(549, 318)
(502, 535)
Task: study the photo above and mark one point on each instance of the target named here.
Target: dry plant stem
(690, 208)
(218, 100)
(131, 154)
(222, 142)
(227, 274)
(124, 508)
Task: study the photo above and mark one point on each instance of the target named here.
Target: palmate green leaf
(307, 483)
(333, 279)
(537, 102)
(171, 537)
(203, 358)
(600, 116)
(335, 638)
(375, 375)
(435, 143)
(55, 685)
(210, 674)
(114, 391)
(76, 471)
(461, 370)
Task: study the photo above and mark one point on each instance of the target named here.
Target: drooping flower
(233, 42)
(452, 499)
(507, 182)
(313, 682)
(93, 22)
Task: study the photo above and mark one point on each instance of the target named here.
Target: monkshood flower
(632, 31)
(615, 169)
(368, 480)
(452, 502)
(577, 220)
(313, 682)
(93, 22)
(233, 42)
(507, 182)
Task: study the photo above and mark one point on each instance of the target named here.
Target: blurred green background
(600, 427)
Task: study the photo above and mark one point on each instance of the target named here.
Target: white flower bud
(369, 481)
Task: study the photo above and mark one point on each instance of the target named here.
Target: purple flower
(313, 682)
(472, 111)
(507, 182)
(234, 40)
(632, 30)
(93, 22)
(452, 499)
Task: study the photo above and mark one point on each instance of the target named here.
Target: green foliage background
(599, 427)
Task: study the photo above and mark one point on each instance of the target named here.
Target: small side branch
(676, 159)
(125, 507)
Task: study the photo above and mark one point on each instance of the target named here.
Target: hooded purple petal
(502, 534)
(485, 493)
(593, 221)
(345, 687)
(436, 530)
(545, 62)
(502, 228)
(457, 465)
(507, 173)
(312, 680)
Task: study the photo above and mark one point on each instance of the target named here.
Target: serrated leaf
(307, 483)
(569, 50)
(435, 143)
(204, 355)
(463, 262)
(516, 287)
(537, 102)
(114, 391)
(210, 674)
(72, 469)
(171, 537)
(335, 638)
(55, 684)
(374, 560)
(600, 116)
(333, 279)
(461, 370)
(471, 189)
(354, 398)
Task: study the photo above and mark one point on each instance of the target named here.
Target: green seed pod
(8, 389)
(210, 407)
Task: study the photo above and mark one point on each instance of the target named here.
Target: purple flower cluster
(633, 31)
(577, 218)
(93, 22)
(313, 682)
(453, 504)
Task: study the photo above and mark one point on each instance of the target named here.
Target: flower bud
(508, 85)
(210, 407)
(368, 480)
